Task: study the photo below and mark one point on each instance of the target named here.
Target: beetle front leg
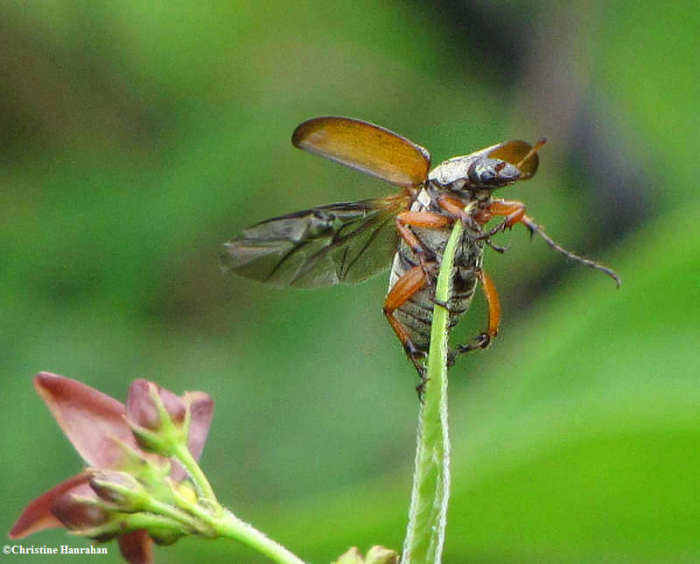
(456, 208)
(515, 213)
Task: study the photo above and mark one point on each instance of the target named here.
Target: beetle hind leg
(405, 287)
(483, 340)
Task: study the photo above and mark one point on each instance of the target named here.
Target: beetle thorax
(473, 173)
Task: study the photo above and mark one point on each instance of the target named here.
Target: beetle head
(492, 173)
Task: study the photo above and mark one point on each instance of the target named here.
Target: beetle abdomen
(416, 314)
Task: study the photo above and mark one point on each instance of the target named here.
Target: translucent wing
(341, 243)
(514, 152)
(366, 147)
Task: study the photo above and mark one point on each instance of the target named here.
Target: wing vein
(370, 240)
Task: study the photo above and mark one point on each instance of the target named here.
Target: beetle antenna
(537, 147)
(534, 228)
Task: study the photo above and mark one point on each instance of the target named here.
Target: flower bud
(381, 555)
(142, 409)
(79, 513)
(165, 537)
(375, 555)
(118, 488)
(186, 491)
(351, 556)
(157, 417)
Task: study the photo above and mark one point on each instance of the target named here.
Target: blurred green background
(136, 137)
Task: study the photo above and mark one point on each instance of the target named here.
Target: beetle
(348, 242)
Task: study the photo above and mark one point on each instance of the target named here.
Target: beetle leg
(495, 247)
(484, 339)
(456, 208)
(425, 219)
(409, 284)
(515, 213)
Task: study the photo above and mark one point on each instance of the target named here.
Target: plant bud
(351, 556)
(79, 513)
(157, 417)
(381, 555)
(142, 410)
(119, 488)
(375, 555)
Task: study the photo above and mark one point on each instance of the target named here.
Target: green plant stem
(184, 456)
(427, 516)
(230, 526)
(155, 507)
(224, 523)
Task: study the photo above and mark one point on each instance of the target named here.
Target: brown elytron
(348, 242)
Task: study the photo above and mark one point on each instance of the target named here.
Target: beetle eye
(487, 176)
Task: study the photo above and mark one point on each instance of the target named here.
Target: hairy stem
(232, 527)
(427, 515)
